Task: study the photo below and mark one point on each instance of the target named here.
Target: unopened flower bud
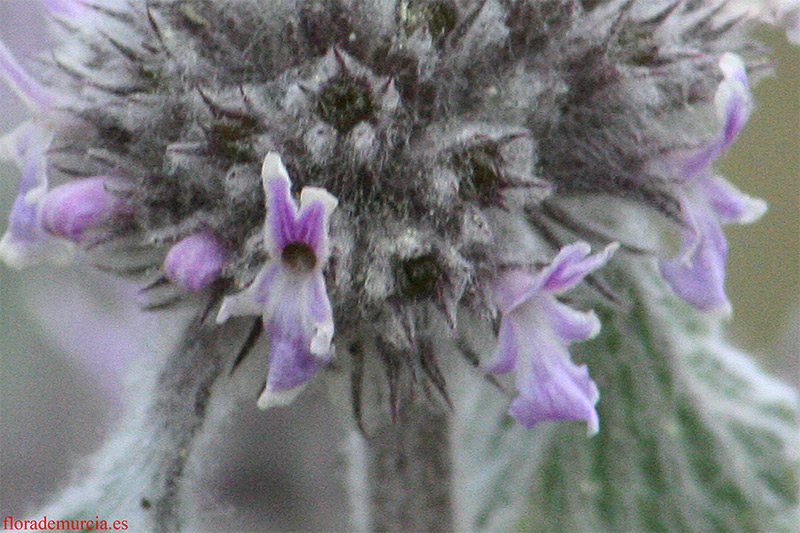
(72, 209)
(195, 262)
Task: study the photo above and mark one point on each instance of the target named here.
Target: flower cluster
(432, 143)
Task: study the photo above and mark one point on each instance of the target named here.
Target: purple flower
(72, 210)
(25, 241)
(290, 291)
(196, 261)
(697, 273)
(535, 332)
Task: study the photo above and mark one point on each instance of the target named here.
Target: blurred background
(57, 397)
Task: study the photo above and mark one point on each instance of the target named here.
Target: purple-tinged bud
(195, 262)
(72, 209)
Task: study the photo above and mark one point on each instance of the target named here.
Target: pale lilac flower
(196, 261)
(25, 242)
(535, 332)
(697, 273)
(290, 291)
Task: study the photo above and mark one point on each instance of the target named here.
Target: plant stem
(182, 392)
(405, 469)
(139, 471)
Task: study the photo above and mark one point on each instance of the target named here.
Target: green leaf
(693, 437)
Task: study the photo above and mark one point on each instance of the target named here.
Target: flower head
(535, 332)
(697, 273)
(451, 133)
(290, 291)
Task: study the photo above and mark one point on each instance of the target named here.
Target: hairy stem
(182, 392)
(401, 474)
(139, 472)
